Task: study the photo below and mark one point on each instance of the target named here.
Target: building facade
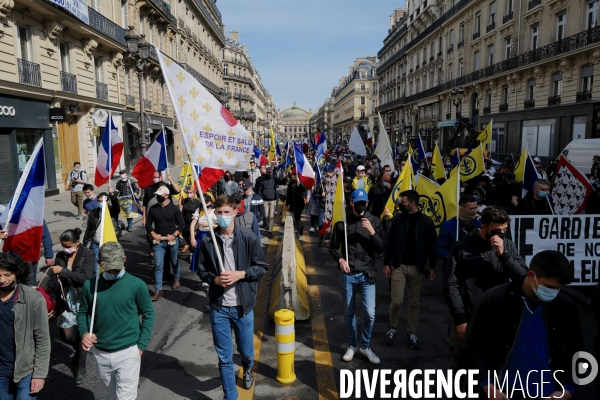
(295, 123)
(529, 66)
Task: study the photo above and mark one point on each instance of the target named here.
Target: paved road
(180, 362)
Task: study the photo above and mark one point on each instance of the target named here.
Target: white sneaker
(349, 353)
(373, 359)
(311, 230)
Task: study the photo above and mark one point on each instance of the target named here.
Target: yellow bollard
(285, 336)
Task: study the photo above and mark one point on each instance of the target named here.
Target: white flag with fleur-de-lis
(215, 139)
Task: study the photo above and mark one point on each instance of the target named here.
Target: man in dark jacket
(478, 262)
(266, 188)
(536, 202)
(91, 238)
(296, 200)
(232, 291)
(357, 264)
(379, 194)
(526, 333)
(253, 201)
(504, 190)
(409, 248)
(126, 188)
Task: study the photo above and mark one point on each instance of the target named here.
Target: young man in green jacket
(119, 338)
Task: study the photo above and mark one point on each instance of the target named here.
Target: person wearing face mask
(539, 168)
(75, 181)
(25, 348)
(227, 185)
(232, 291)
(524, 327)
(188, 207)
(357, 269)
(362, 180)
(266, 188)
(122, 325)
(127, 188)
(409, 256)
(73, 266)
(379, 194)
(536, 201)
(244, 217)
(164, 224)
(253, 201)
(479, 261)
(91, 238)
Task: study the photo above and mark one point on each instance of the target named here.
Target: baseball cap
(360, 168)
(510, 177)
(122, 171)
(537, 160)
(162, 191)
(238, 198)
(246, 185)
(347, 179)
(269, 169)
(359, 195)
(112, 256)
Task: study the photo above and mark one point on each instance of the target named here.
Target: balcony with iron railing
(147, 105)
(29, 73)
(554, 100)
(476, 35)
(129, 100)
(164, 8)
(487, 110)
(102, 91)
(204, 81)
(450, 49)
(431, 58)
(503, 107)
(440, 53)
(164, 109)
(475, 112)
(216, 25)
(534, 3)
(529, 104)
(508, 17)
(549, 52)
(585, 95)
(106, 26)
(460, 44)
(68, 82)
(490, 27)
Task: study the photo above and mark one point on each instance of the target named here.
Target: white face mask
(123, 177)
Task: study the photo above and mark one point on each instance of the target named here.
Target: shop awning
(173, 130)
(136, 126)
(446, 124)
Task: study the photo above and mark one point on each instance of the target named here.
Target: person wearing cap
(244, 217)
(122, 324)
(504, 192)
(125, 187)
(232, 292)
(536, 201)
(409, 256)
(539, 168)
(362, 180)
(164, 224)
(357, 269)
(266, 188)
(253, 201)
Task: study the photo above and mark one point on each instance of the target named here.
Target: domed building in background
(294, 123)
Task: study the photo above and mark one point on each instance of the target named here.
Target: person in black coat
(296, 200)
(72, 267)
(91, 238)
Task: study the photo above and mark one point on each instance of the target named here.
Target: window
(488, 98)
(451, 37)
(509, 7)
(425, 53)
(439, 76)
(99, 69)
(440, 44)
(142, 26)
(125, 14)
(362, 100)
(538, 136)
(507, 48)
(460, 67)
(128, 81)
(535, 34)
(476, 61)
(160, 40)
(579, 127)
(450, 72)
(362, 87)
(478, 22)
(493, 12)
(592, 14)
(25, 45)
(505, 94)
(490, 54)
(557, 84)
(587, 78)
(362, 116)
(417, 86)
(431, 49)
(561, 22)
(531, 89)
(96, 5)
(64, 57)
(172, 48)
(462, 33)
(225, 70)
(497, 138)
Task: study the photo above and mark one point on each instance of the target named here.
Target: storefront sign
(447, 124)
(78, 8)
(156, 122)
(57, 114)
(22, 113)
(6, 111)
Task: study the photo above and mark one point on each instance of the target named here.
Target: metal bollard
(285, 337)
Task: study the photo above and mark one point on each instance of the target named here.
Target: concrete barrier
(289, 287)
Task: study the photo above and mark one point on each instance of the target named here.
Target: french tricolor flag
(24, 218)
(259, 157)
(155, 160)
(305, 172)
(109, 154)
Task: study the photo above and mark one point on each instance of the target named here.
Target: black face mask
(403, 208)
(10, 287)
(360, 207)
(160, 199)
(227, 178)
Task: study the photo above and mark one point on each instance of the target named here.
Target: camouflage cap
(112, 256)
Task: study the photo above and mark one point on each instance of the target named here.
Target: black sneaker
(301, 230)
(80, 377)
(412, 341)
(270, 234)
(390, 340)
(248, 379)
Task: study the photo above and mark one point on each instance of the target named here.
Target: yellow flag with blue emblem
(437, 166)
(438, 202)
(520, 167)
(186, 178)
(472, 164)
(404, 182)
(485, 137)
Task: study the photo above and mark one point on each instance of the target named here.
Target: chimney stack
(234, 35)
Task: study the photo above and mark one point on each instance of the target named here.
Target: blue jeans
(130, 223)
(159, 261)
(320, 220)
(9, 390)
(95, 247)
(221, 322)
(352, 283)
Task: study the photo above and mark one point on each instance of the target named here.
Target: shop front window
(26, 141)
(538, 137)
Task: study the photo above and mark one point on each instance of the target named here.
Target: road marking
(259, 318)
(326, 386)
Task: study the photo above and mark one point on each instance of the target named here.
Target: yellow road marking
(326, 386)
(259, 318)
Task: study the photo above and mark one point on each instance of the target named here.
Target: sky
(302, 48)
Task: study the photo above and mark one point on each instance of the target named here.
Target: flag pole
(109, 146)
(423, 147)
(344, 212)
(457, 200)
(165, 142)
(102, 223)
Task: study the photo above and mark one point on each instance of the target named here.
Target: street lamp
(457, 98)
(139, 50)
(252, 118)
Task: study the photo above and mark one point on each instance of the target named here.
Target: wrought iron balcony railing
(475, 113)
(460, 44)
(534, 3)
(129, 100)
(163, 8)
(490, 27)
(102, 91)
(147, 105)
(450, 49)
(164, 108)
(507, 17)
(529, 104)
(487, 110)
(476, 35)
(553, 100)
(68, 82)
(503, 107)
(585, 95)
(29, 73)
(106, 26)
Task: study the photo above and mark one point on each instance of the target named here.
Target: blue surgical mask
(542, 194)
(111, 277)
(100, 205)
(224, 221)
(543, 293)
(477, 198)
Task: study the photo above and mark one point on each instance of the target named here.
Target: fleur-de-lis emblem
(207, 107)
(229, 154)
(180, 77)
(171, 82)
(192, 144)
(200, 159)
(210, 151)
(220, 162)
(218, 142)
(181, 101)
(239, 164)
(168, 61)
(195, 137)
(194, 115)
(185, 129)
(207, 128)
(230, 133)
(247, 156)
(194, 93)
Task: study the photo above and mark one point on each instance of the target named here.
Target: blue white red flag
(155, 160)
(259, 157)
(109, 153)
(306, 174)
